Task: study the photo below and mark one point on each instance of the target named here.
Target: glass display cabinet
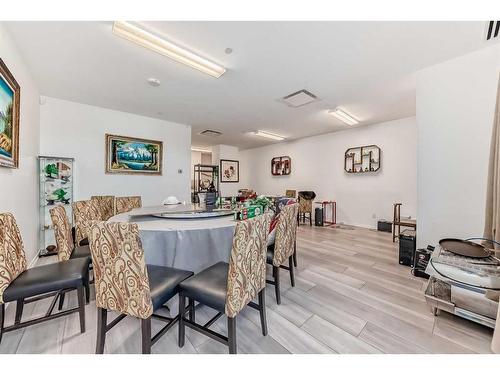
(55, 188)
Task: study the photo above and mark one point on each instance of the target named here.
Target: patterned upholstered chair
(283, 249)
(66, 248)
(305, 205)
(125, 284)
(228, 288)
(29, 285)
(106, 205)
(126, 204)
(84, 214)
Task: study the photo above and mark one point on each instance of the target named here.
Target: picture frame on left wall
(10, 92)
(229, 170)
(128, 155)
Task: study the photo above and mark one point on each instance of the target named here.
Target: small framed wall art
(281, 166)
(9, 118)
(229, 170)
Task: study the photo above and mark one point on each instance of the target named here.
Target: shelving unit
(55, 188)
(281, 166)
(364, 159)
(204, 175)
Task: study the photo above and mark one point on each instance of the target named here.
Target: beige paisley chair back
(106, 205)
(120, 273)
(126, 204)
(62, 233)
(84, 213)
(247, 264)
(286, 232)
(12, 257)
(305, 205)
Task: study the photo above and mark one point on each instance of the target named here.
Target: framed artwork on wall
(229, 170)
(9, 118)
(127, 155)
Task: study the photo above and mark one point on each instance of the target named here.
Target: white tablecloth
(189, 244)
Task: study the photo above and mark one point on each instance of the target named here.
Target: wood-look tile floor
(351, 296)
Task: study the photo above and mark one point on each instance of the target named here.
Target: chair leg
(192, 315)
(102, 318)
(61, 301)
(231, 334)
(2, 319)
(292, 272)
(276, 274)
(182, 326)
(146, 335)
(295, 254)
(310, 219)
(81, 308)
(87, 290)
(19, 310)
(262, 310)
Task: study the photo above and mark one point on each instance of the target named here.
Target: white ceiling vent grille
(492, 30)
(211, 133)
(299, 98)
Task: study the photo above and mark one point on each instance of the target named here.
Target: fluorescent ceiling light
(199, 149)
(276, 137)
(344, 116)
(162, 46)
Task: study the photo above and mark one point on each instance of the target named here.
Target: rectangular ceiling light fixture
(162, 46)
(276, 137)
(199, 149)
(344, 116)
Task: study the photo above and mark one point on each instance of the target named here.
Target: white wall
(318, 165)
(19, 187)
(455, 106)
(77, 130)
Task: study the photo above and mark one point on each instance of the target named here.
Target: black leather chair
(284, 248)
(29, 285)
(228, 288)
(124, 283)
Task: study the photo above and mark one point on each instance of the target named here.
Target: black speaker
(420, 262)
(318, 217)
(407, 247)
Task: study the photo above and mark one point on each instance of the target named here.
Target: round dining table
(189, 244)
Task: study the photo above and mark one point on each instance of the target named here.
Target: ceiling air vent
(492, 30)
(210, 133)
(299, 98)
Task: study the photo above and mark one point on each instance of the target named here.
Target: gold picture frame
(10, 93)
(130, 155)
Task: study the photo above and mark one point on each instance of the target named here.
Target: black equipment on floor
(407, 247)
(384, 226)
(420, 262)
(318, 217)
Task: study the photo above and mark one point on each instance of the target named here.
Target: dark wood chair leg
(192, 314)
(81, 307)
(182, 326)
(295, 254)
(231, 334)
(102, 321)
(61, 301)
(87, 290)
(262, 310)
(2, 319)
(276, 274)
(146, 335)
(292, 272)
(310, 219)
(19, 310)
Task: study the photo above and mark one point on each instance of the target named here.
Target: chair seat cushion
(270, 254)
(81, 252)
(48, 278)
(209, 287)
(84, 242)
(164, 283)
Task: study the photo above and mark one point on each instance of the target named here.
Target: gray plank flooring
(351, 296)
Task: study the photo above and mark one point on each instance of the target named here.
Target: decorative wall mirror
(364, 159)
(281, 166)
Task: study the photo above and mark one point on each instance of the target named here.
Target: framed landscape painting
(128, 155)
(229, 170)
(9, 118)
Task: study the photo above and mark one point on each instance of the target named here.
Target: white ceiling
(368, 68)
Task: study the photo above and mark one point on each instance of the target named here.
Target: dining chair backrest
(106, 204)
(291, 193)
(84, 213)
(62, 233)
(12, 256)
(286, 233)
(247, 263)
(126, 204)
(120, 273)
